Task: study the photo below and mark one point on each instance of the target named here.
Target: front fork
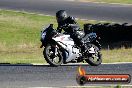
(56, 50)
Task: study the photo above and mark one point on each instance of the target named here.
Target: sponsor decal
(83, 78)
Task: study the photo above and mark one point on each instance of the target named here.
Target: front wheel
(94, 59)
(53, 55)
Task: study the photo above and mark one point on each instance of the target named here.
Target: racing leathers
(70, 26)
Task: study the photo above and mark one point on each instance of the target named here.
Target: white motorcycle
(61, 49)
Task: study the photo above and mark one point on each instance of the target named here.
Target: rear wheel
(94, 59)
(53, 55)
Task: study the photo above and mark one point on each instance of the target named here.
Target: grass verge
(110, 1)
(20, 35)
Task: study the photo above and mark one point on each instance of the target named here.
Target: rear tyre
(94, 59)
(50, 56)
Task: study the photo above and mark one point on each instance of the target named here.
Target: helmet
(61, 15)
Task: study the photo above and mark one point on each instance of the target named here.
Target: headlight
(43, 35)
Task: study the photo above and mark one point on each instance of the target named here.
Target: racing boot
(83, 46)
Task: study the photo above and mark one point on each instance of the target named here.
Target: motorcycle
(61, 49)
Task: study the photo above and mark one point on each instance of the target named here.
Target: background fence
(112, 35)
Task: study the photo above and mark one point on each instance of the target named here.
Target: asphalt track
(27, 76)
(91, 11)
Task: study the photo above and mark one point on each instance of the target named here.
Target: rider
(65, 23)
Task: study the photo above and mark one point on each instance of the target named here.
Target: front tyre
(53, 55)
(94, 59)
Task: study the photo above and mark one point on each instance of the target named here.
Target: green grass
(20, 39)
(20, 35)
(117, 55)
(111, 1)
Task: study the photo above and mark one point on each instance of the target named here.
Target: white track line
(83, 63)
